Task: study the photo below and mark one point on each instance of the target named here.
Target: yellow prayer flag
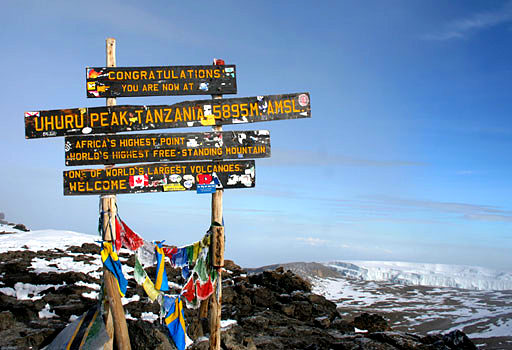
(150, 289)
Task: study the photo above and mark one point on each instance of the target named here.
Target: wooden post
(218, 248)
(108, 209)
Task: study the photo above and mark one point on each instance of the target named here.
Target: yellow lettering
(254, 109)
(159, 118)
(69, 121)
(168, 115)
(278, 107)
(244, 110)
(149, 117)
(177, 115)
(94, 118)
(287, 106)
(104, 120)
(216, 111)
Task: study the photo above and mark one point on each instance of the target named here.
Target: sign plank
(113, 119)
(136, 148)
(160, 81)
(160, 177)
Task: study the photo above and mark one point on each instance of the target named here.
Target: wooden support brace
(218, 246)
(109, 210)
(218, 251)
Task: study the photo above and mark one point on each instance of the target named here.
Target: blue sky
(406, 156)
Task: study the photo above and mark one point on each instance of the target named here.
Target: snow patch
(93, 286)
(419, 274)
(10, 292)
(46, 312)
(65, 264)
(91, 295)
(227, 323)
(129, 317)
(27, 291)
(125, 300)
(148, 316)
(43, 240)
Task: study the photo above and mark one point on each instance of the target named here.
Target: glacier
(425, 274)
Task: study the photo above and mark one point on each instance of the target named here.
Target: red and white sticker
(31, 114)
(303, 100)
(139, 181)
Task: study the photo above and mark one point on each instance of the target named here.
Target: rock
(273, 309)
(371, 323)
(263, 297)
(280, 282)
(342, 326)
(303, 310)
(21, 227)
(287, 309)
(86, 248)
(259, 323)
(6, 320)
(453, 340)
(144, 335)
(322, 322)
(233, 268)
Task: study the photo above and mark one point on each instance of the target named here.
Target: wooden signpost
(132, 148)
(91, 139)
(160, 81)
(110, 119)
(160, 177)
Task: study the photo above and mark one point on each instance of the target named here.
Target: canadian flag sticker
(139, 181)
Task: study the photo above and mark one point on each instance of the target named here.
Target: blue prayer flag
(180, 258)
(161, 275)
(112, 263)
(175, 321)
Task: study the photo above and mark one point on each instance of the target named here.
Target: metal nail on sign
(160, 177)
(160, 81)
(101, 120)
(136, 148)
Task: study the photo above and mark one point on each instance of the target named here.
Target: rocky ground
(41, 291)
(484, 315)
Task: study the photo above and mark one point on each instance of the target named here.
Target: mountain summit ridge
(49, 278)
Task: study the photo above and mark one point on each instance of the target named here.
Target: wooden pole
(108, 210)
(218, 261)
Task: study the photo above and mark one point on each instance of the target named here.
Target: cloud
(466, 172)
(461, 28)
(312, 241)
(489, 217)
(282, 157)
(468, 211)
(129, 17)
(252, 210)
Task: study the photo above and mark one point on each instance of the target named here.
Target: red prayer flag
(126, 236)
(204, 290)
(189, 291)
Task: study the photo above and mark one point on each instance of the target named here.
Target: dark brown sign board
(102, 120)
(160, 81)
(136, 148)
(159, 177)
